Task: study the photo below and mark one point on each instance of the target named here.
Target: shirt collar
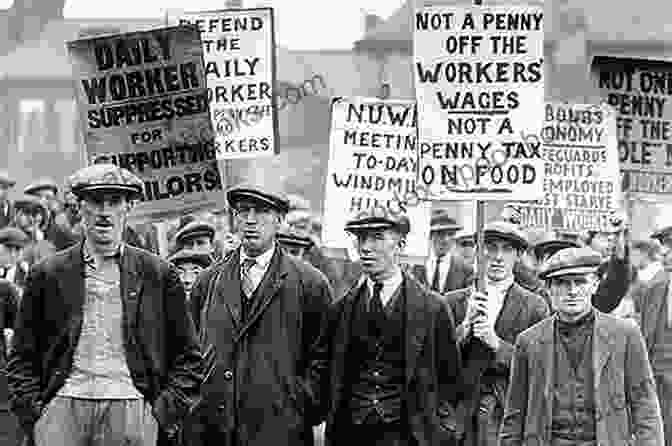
(89, 259)
(501, 286)
(391, 283)
(262, 260)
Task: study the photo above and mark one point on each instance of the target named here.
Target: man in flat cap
(105, 350)
(190, 263)
(294, 243)
(488, 325)
(443, 271)
(12, 242)
(652, 303)
(394, 363)
(259, 313)
(6, 209)
(10, 430)
(196, 236)
(580, 377)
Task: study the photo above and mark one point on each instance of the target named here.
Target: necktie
(247, 283)
(376, 308)
(436, 280)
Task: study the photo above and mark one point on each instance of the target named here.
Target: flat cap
(6, 180)
(547, 248)
(11, 236)
(195, 229)
(377, 218)
(277, 200)
(662, 233)
(571, 261)
(292, 239)
(504, 230)
(31, 202)
(442, 221)
(191, 256)
(105, 177)
(41, 184)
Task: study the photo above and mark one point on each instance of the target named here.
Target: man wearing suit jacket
(394, 366)
(105, 351)
(444, 271)
(260, 312)
(489, 324)
(653, 304)
(580, 377)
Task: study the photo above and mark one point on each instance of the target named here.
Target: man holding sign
(393, 355)
(488, 325)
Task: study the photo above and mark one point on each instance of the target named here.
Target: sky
(300, 24)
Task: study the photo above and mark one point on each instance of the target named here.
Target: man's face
(500, 256)
(201, 243)
(257, 225)
(188, 273)
(28, 219)
(296, 251)
(9, 255)
(442, 242)
(46, 195)
(104, 217)
(467, 250)
(378, 250)
(571, 295)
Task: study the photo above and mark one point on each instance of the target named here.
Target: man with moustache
(105, 352)
(259, 312)
(580, 377)
(652, 302)
(394, 364)
(488, 325)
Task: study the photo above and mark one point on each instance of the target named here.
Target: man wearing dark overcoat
(260, 312)
(393, 375)
(105, 352)
(580, 377)
(489, 323)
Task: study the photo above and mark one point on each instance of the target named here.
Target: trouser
(488, 420)
(82, 422)
(380, 435)
(664, 388)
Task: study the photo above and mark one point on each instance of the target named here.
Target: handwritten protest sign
(239, 51)
(639, 90)
(143, 104)
(582, 179)
(479, 83)
(372, 162)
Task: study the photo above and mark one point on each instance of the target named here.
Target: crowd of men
(248, 333)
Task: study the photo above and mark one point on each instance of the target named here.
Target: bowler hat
(547, 248)
(277, 200)
(195, 229)
(191, 256)
(442, 221)
(377, 218)
(105, 177)
(571, 261)
(292, 239)
(41, 184)
(504, 230)
(11, 236)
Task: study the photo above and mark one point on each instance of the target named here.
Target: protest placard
(582, 179)
(143, 105)
(239, 52)
(479, 83)
(372, 162)
(639, 90)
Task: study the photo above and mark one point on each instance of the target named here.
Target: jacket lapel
(417, 324)
(509, 313)
(229, 293)
(267, 289)
(451, 276)
(71, 284)
(546, 368)
(603, 345)
(130, 286)
(420, 273)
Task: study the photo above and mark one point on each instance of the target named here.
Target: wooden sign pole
(480, 246)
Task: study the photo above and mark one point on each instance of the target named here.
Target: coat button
(228, 375)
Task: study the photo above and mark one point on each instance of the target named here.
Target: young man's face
(28, 219)
(201, 243)
(188, 272)
(500, 256)
(467, 250)
(571, 295)
(257, 225)
(104, 217)
(378, 250)
(442, 242)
